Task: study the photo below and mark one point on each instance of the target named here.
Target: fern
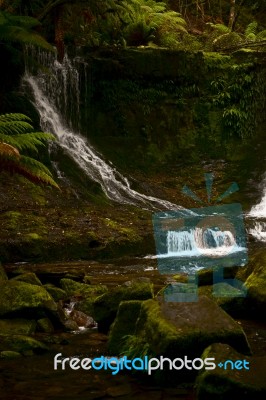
(16, 136)
(19, 29)
(251, 29)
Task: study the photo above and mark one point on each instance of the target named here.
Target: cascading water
(258, 215)
(56, 96)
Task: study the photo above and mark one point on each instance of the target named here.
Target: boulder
(28, 277)
(9, 354)
(45, 325)
(82, 319)
(179, 329)
(3, 275)
(21, 344)
(123, 325)
(17, 326)
(18, 296)
(232, 379)
(105, 307)
(55, 292)
(73, 288)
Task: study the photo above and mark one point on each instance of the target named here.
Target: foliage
(20, 29)
(16, 137)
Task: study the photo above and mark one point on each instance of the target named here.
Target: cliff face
(148, 107)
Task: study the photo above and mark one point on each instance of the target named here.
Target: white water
(258, 213)
(198, 242)
(60, 88)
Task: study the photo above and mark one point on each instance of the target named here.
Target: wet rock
(3, 275)
(229, 380)
(124, 324)
(28, 277)
(73, 288)
(119, 390)
(105, 307)
(55, 292)
(21, 344)
(256, 287)
(18, 296)
(82, 319)
(45, 325)
(17, 326)
(9, 354)
(71, 325)
(179, 329)
(229, 298)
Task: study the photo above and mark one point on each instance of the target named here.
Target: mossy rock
(18, 296)
(17, 326)
(220, 383)
(28, 277)
(73, 288)
(9, 354)
(256, 287)
(229, 298)
(45, 325)
(22, 344)
(105, 307)
(176, 329)
(3, 275)
(123, 325)
(55, 292)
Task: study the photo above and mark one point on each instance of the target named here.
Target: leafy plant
(17, 136)
(20, 29)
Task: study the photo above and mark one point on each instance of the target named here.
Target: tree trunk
(232, 14)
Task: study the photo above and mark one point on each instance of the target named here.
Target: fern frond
(14, 117)
(15, 127)
(251, 29)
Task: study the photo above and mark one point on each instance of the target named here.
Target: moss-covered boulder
(28, 277)
(45, 325)
(73, 288)
(230, 380)
(256, 287)
(229, 298)
(123, 325)
(105, 307)
(21, 344)
(3, 275)
(55, 292)
(17, 326)
(10, 354)
(179, 329)
(18, 296)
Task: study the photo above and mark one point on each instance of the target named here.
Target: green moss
(17, 296)
(17, 326)
(22, 344)
(123, 326)
(105, 307)
(55, 292)
(28, 277)
(73, 288)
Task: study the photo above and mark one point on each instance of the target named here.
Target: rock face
(105, 307)
(28, 277)
(17, 326)
(18, 296)
(124, 324)
(179, 329)
(3, 275)
(230, 383)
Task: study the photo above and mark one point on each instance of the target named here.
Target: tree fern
(20, 29)
(16, 136)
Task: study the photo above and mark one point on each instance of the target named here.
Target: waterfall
(258, 213)
(56, 96)
(198, 242)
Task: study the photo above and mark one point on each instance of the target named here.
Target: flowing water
(56, 96)
(257, 215)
